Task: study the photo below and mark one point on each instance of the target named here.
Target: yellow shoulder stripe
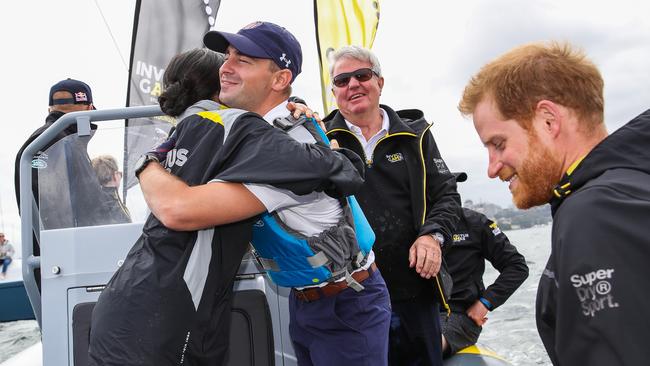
(212, 116)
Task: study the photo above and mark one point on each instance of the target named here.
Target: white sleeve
(276, 198)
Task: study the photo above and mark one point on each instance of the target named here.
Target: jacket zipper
(365, 157)
(424, 177)
(424, 215)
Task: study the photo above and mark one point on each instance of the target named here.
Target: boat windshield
(82, 181)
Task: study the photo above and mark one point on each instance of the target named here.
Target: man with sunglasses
(409, 197)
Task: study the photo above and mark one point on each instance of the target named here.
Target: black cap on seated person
(261, 40)
(81, 93)
(460, 176)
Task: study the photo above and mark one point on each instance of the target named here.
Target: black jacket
(593, 306)
(422, 188)
(476, 239)
(113, 207)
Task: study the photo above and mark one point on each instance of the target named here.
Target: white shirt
(369, 145)
(309, 214)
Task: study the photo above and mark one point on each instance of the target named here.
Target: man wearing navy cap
(348, 327)
(70, 95)
(345, 318)
(66, 96)
(253, 88)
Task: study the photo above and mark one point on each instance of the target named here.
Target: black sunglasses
(361, 75)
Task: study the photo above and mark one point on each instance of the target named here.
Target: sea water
(510, 330)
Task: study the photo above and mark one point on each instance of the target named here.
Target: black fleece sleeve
(259, 153)
(511, 265)
(443, 208)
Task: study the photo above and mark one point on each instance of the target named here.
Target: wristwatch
(439, 238)
(143, 161)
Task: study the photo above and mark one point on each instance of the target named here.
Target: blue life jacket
(294, 260)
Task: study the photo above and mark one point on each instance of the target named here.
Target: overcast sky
(427, 49)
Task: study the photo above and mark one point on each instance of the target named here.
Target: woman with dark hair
(191, 83)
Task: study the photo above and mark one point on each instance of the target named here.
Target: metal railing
(28, 208)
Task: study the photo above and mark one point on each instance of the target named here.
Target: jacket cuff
(484, 301)
(439, 237)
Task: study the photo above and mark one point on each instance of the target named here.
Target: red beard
(537, 176)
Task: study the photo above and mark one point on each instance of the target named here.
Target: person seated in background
(475, 239)
(110, 176)
(6, 252)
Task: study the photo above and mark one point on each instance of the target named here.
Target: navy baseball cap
(261, 40)
(81, 93)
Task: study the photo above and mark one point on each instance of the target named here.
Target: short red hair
(520, 78)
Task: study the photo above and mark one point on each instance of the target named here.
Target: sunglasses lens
(342, 80)
(363, 75)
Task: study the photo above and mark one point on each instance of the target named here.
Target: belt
(332, 288)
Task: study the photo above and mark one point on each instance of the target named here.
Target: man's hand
(298, 109)
(425, 255)
(477, 312)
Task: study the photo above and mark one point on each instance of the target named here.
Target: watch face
(139, 162)
(142, 163)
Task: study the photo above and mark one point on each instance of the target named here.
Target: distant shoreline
(512, 218)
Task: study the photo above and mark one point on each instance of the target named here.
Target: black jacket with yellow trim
(592, 301)
(430, 195)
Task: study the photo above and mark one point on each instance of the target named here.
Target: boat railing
(30, 218)
(80, 248)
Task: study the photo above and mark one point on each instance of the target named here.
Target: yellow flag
(341, 23)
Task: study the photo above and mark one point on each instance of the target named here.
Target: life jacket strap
(270, 264)
(352, 283)
(318, 260)
(360, 260)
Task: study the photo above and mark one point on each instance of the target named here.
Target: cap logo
(286, 61)
(80, 97)
(253, 25)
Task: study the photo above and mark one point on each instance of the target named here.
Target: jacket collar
(335, 120)
(53, 117)
(625, 148)
(200, 106)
